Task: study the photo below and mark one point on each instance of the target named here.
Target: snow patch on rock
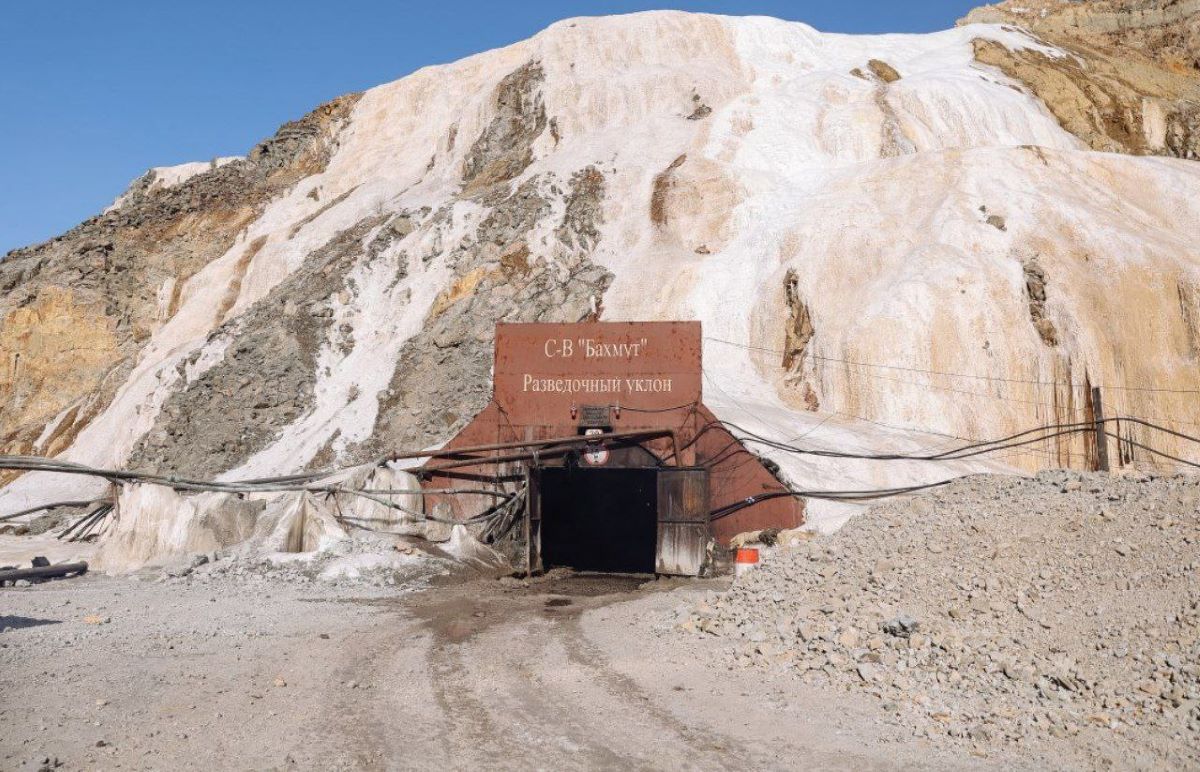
(161, 177)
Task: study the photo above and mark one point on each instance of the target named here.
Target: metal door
(533, 521)
(683, 532)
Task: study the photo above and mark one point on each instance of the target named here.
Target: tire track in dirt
(719, 749)
(479, 676)
(549, 710)
(363, 730)
(469, 727)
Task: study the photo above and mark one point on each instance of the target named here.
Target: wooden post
(1101, 433)
(526, 521)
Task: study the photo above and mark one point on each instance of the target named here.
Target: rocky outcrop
(277, 351)
(1164, 31)
(504, 149)
(1130, 79)
(662, 187)
(1035, 289)
(76, 310)
(1111, 103)
(265, 380)
(442, 378)
(798, 333)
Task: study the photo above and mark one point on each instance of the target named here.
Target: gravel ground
(565, 672)
(1058, 615)
(999, 623)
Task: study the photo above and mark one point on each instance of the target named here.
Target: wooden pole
(1101, 434)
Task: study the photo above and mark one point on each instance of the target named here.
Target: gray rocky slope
(1059, 609)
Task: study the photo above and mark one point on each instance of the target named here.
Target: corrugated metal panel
(682, 521)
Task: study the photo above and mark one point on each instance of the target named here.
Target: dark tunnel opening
(599, 519)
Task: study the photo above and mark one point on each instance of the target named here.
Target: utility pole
(1101, 434)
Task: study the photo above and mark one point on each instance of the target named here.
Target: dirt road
(568, 673)
(562, 676)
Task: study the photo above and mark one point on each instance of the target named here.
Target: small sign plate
(598, 416)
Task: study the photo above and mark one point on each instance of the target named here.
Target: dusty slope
(816, 200)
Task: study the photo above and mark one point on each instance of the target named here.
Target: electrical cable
(952, 374)
(433, 491)
(1016, 448)
(853, 495)
(965, 451)
(55, 505)
(1143, 422)
(88, 518)
(289, 483)
(93, 521)
(969, 451)
(626, 408)
(1149, 449)
(485, 515)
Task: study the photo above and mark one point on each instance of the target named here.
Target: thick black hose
(1143, 422)
(55, 505)
(861, 495)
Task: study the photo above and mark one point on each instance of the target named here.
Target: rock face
(76, 310)
(1132, 82)
(1164, 31)
(880, 235)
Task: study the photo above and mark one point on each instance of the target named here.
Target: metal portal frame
(683, 539)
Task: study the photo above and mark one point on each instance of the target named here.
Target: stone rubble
(998, 609)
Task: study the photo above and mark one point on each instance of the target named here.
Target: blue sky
(94, 92)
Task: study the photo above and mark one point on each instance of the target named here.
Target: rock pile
(997, 609)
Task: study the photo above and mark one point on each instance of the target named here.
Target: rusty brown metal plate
(546, 372)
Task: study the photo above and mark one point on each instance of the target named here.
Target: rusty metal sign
(544, 373)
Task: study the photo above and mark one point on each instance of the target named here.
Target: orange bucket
(744, 559)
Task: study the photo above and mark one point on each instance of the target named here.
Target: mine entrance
(599, 519)
(599, 432)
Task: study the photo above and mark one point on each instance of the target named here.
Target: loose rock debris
(997, 610)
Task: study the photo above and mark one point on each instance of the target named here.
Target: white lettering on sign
(590, 348)
(596, 385)
(558, 348)
(594, 349)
